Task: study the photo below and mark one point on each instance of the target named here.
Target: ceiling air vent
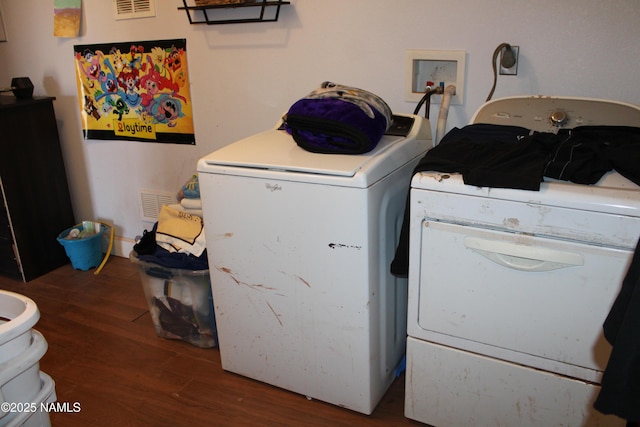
(130, 9)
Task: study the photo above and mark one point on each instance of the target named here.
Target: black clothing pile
(515, 157)
(148, 250)
(620, 391)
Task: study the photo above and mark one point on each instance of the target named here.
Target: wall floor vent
(152, 201)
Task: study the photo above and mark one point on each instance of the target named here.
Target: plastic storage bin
(180, 302)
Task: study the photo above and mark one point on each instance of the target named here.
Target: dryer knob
(558, 118)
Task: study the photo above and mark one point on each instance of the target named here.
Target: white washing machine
(299, 246)
(508, 289)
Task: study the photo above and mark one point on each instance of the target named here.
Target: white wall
(244, 76)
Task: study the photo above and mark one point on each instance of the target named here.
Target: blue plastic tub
(85, 253)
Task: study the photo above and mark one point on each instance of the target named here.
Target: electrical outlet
(446, 66)
(511, 71)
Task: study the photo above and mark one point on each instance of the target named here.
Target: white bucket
(47, 394)
(18, 314)
(20, 378)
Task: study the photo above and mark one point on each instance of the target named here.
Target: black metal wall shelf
(200, 14)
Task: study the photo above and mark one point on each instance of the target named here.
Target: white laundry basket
(20, 378)
(38, 418)
(21, 348)
(18, 314)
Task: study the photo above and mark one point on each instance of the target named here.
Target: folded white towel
(179, 207)
(191, 203)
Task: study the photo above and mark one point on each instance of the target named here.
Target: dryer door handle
(523, 257)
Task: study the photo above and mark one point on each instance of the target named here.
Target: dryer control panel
(548, 114)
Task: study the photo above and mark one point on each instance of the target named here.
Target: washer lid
(276, 151)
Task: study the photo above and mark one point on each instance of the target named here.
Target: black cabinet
(36, 205)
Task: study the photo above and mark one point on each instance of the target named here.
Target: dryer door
(532, 300)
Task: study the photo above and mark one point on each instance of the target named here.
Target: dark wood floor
(104, 353)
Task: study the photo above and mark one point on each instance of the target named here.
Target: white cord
(441, 128)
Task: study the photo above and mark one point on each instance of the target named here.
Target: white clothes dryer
(508, 289)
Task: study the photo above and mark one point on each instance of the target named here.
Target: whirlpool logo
(273, 187)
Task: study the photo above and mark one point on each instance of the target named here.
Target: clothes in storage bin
(180, 302)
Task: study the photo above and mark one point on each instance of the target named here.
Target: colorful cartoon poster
(135, 91)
